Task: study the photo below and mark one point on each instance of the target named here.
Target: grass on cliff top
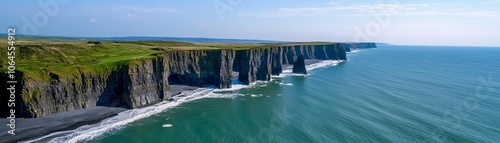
(36, 58)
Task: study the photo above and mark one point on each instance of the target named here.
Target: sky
(408, 22)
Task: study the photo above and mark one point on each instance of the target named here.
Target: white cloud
(456, 14)
(203, 25)
(132, 15)
(337, 10)
(145, 10)
(333, 3)
(93, 20)
(491, 2)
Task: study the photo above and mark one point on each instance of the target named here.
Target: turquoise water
(389, 94)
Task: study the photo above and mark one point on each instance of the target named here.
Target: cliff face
(201, 67)
(354, 46)
(261, 63)
(147, 81)
(81, 91)
(132, 86)
(319, 52)
(253, 65)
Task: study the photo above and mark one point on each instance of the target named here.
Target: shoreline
(35, 128)
(307, 62)
(29, 128)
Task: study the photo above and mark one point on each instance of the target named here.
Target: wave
(237, 85)
(322, 64)
(167, 125)
(287, 84)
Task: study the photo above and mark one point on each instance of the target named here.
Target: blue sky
(424, 22)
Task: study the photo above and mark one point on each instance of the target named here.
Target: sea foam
(322, 64)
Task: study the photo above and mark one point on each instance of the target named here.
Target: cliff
(355, 46)
(200, 67)
(140, 82)
(320, 52)
(261, 63)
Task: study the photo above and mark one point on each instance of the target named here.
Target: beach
(27, 128)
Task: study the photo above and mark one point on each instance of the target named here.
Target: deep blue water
(389, 94)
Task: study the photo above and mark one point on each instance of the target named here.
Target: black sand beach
(37, 127)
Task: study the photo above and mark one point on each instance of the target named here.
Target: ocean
(389, 94)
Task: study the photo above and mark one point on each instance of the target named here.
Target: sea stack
(299, 66)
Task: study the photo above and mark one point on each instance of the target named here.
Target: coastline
(37, 128)
(307, 62)
(34, 128)
(27, 128)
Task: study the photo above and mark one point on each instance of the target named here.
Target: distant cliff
(261, 63)
(147, 81)
(354, 46)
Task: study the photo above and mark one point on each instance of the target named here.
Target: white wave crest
(287, 84)
(322, 64)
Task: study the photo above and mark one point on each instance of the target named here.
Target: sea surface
(389, 94)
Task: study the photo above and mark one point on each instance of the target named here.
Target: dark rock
(201, 67)
(299, 66)
(254, 64)
(355, 46)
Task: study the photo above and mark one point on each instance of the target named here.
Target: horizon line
(243, 39)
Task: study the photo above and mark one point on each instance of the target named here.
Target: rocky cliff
(299, 66)
(261, 63)
(320, 52)
(143, 82)
(354, 46)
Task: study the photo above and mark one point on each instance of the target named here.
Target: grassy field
(37, 57)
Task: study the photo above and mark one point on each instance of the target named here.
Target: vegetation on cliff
(58, 76)
(39, 57)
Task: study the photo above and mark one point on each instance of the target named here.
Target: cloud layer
(335, 9)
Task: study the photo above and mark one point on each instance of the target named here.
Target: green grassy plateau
(37, 57)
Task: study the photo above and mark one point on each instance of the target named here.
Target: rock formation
(355, 46)
(299, 66)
